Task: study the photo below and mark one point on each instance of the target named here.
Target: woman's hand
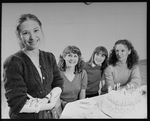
(42, 100)
(32, 102)
(31, 105)
(130, 86)
(55, 94)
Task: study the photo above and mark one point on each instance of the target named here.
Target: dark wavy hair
(68, 50)
(97, 50)
(23, 18)
(132, 58)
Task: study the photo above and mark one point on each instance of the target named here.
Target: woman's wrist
(48, 97)
(46, 106)
(48, 100)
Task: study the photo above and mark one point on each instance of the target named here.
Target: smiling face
(31, 34)
(122, 52)
(71, 59)
(99, 58)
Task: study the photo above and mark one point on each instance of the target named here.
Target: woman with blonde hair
(32, 79)
(74, 76)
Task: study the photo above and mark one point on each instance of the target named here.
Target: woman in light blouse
(123, 70)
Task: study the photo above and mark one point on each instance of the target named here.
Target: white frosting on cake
(125, 104)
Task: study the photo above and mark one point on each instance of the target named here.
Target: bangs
(104, 53)
(71, 49)
(101, 50)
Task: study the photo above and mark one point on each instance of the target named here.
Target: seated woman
(123, 69)
(74, 76)
(95, 68)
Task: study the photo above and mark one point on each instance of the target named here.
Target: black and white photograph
(74, 60)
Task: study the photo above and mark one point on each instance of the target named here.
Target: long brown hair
(97, 50)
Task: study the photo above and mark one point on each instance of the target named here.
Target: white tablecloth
(78, 109)
(85, 108)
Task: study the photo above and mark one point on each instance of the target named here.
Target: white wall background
(86, 26)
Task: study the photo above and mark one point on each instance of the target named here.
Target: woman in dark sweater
(32, 80)
(95, 68)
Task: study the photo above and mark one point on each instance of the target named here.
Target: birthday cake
(125, 104)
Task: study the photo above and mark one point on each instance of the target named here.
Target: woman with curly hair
(123, 69)
(74, 76)
(95, 68)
